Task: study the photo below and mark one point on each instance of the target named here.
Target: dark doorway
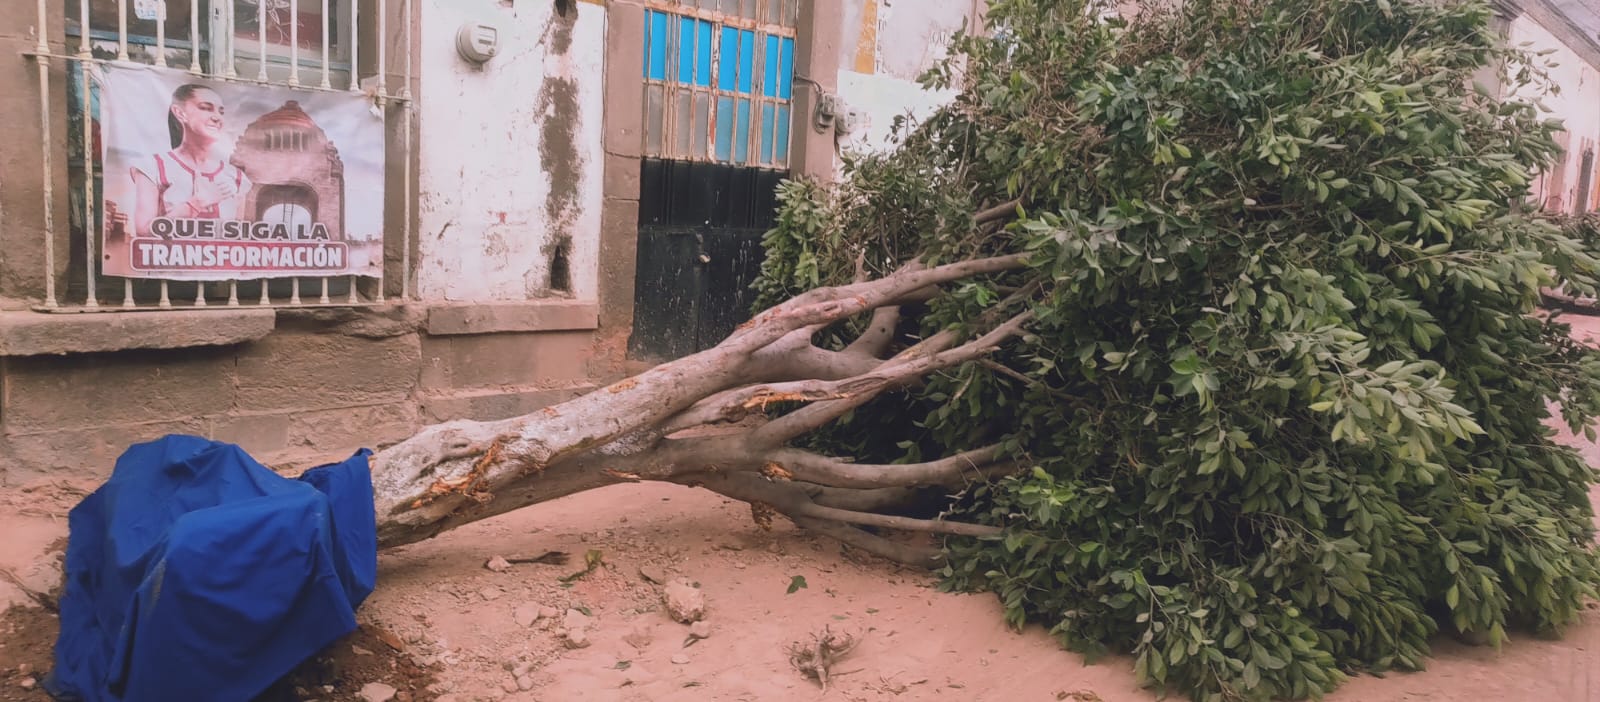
(700, 229)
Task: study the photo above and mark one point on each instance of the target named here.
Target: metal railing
(218, 41)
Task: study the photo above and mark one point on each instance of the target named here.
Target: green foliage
(1286, 394)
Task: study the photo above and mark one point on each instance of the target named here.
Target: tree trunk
(654, 426)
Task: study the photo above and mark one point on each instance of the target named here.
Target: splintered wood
(469, 485)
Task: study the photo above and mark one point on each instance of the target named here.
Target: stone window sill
(25, 333)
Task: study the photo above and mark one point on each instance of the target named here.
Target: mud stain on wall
(558, 153)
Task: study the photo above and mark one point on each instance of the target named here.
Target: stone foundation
(310, 387)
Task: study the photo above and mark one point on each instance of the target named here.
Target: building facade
(557, 177)
(1565, 36)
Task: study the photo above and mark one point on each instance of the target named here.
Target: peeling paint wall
(887, 45)
(511, 165)
(876, 101)
(1577, 106)
(914, 34)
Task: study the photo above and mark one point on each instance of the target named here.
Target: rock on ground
(575, 638)
(525, 615)
(640, 636)
(498, 564)
(700, 630)
(377, 692)
(685, 603)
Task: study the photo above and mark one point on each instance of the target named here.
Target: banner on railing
(216, 180)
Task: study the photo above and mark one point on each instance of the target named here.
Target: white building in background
(885, 45)
(1570, 31)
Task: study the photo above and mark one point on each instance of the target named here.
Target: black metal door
(700, 229)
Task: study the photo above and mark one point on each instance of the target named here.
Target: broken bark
(652, 426)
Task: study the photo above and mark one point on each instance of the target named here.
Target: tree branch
(997, 213)
(931, 526)
(774, 363)
(902, 368)
(874, 342)
(862, 500)
(828, 305)
(952, 471)
(791, 500)
(732, 405)
(905, 554)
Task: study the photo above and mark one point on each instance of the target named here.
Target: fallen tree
(1211, 331)
(632, 430)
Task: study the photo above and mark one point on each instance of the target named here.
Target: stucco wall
(913, 34)
(1577, 105)
(511, 170)
(875, 100)
(887, 45)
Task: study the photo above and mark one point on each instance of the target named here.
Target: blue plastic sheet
(196, 573)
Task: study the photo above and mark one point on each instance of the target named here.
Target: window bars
(307, 45)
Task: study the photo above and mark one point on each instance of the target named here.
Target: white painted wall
(511, 151)
(907, 38)
(914, 34)
(1577, 105)
(874, 101)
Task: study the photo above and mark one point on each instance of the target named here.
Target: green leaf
(1233, 639)
(592, 559)
(796, 584)
(1279, 354)
(1251, 676)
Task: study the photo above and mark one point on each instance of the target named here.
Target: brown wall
(297, 387)
(319, 386)
(21, 160)
(294, 387)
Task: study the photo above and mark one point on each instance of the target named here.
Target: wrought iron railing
(215, 48)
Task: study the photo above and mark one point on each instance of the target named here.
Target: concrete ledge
(367, 322)
(529, 316)
(37, 334)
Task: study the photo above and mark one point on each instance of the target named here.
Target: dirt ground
(442, 626)
(439, 614)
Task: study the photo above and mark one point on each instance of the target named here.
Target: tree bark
(658, 425)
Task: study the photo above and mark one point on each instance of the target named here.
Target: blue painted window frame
(726, 98)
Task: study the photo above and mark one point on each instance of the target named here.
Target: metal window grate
(718, 79)
(306, 45)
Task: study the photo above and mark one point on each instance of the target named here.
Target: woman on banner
(189, 181)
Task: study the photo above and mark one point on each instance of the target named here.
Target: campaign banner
(213, 180)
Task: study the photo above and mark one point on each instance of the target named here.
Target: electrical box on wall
(478, 41)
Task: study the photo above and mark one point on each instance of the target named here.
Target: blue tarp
(196, 574)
